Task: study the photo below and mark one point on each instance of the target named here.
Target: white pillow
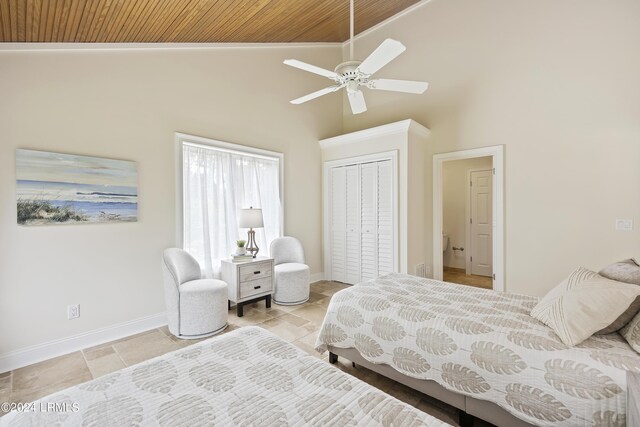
(582, 304)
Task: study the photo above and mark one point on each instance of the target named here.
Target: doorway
(468, 217)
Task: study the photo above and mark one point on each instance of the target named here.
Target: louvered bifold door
(385, 218)
(338, 199)
(369, 221)
(353, 224)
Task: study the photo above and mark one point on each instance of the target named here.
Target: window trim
(182, 139)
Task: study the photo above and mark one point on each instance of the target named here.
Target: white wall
(127, 105)
(557, 84)
(454, 199)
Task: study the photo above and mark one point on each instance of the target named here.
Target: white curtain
(216, 185)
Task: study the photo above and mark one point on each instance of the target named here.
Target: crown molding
(403, 126)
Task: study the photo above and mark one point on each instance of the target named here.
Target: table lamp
(251, 218)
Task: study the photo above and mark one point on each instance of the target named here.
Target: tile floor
(458, 275)
(296, 324)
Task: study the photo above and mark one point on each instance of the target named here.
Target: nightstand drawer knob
(257, 287)
(256, 272)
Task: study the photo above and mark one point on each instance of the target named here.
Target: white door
(385, 218)
(369, 221)
(481, 223)
(338, 224)
(353, 225)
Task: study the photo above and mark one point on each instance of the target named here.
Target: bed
(246, 377)
(480, 351)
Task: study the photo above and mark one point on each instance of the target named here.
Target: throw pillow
(631, 333)
(582, 304)
(627, 271)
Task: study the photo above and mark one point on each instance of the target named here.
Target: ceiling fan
(353, 74)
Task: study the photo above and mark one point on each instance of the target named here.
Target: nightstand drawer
(255, 287)
(255, 271)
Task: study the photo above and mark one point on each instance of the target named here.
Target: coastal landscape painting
(53, 188)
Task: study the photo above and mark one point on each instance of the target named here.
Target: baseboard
(317, 277)
(39, 352)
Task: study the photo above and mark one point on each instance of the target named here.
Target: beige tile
(144, 347)
(251, 316)
(310, 338)
(324, 303)
(307, 348)
(5, 388)
(130, 337)
(165, 330)
(284, 330)
(293, 319)
(328, 288)
(275, 312)
(312, 313)
(315, 297)
(98, 352)
(106, 364)
(288, 308)
(40, 379)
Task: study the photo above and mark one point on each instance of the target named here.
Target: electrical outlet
(624, 224)
(73, 311)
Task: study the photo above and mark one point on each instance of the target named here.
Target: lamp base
(251, 242)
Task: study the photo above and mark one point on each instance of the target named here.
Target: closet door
(338, 224)
(369, 221)
(352, 237)
(385, 217)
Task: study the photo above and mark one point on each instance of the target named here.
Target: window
(217, 180)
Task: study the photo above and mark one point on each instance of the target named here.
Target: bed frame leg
(333, 358)
(465, 419)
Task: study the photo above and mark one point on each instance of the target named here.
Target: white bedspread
(246, 377)
(483, 344)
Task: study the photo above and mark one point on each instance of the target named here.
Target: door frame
(326, 202)
(497, 154)
(467, 217)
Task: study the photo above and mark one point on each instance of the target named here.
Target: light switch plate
(624, 224)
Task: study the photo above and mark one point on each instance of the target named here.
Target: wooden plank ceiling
(188, 21)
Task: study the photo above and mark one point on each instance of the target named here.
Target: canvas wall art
(55, 188)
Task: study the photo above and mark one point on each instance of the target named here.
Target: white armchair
(291, 273)
(196, 307)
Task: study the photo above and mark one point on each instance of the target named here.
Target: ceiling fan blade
(311, 68)
(315, 94)
(356, 100)
(385, 53)
(407, 86)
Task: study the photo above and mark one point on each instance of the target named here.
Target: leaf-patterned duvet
(248, 377)
(485, 345)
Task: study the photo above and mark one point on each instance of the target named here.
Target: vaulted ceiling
(189, 21)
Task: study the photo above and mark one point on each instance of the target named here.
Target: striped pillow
(582, 304)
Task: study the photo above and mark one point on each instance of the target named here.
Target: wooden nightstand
(249, 281)
(633, 399)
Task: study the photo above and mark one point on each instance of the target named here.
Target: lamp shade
(250, 218)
